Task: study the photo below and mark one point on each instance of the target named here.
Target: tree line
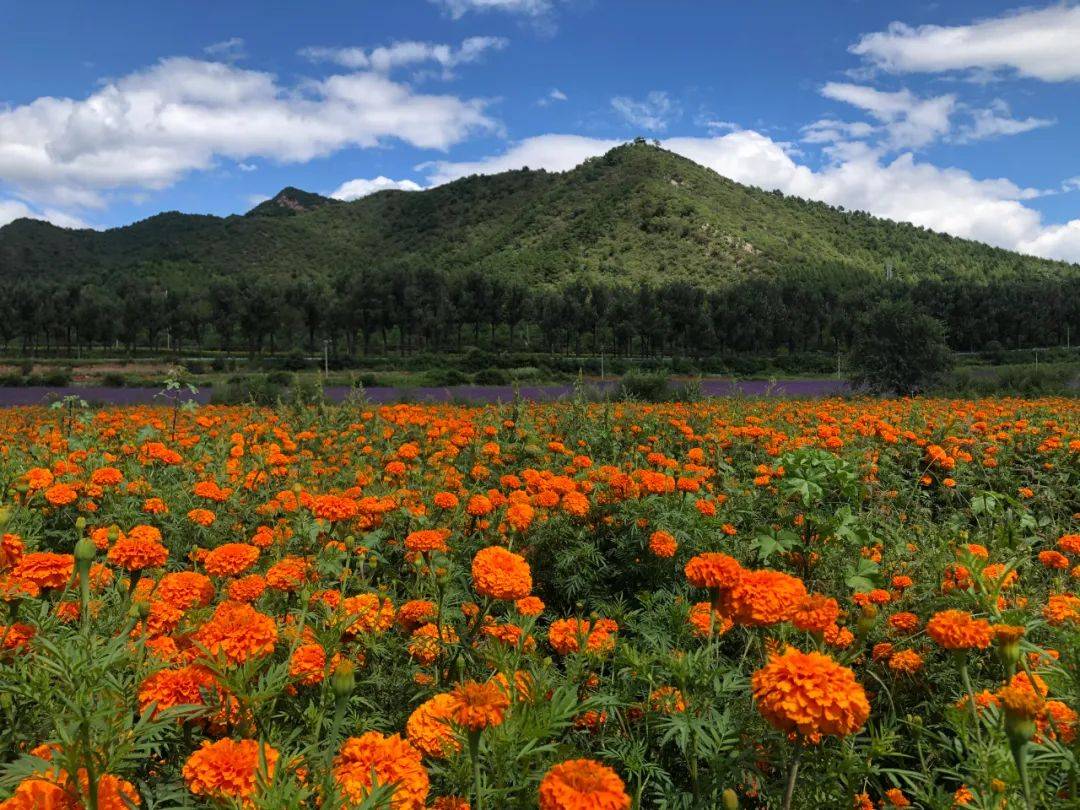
(406, 310)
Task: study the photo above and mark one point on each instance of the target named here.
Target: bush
(113, 379)
(639, 385)
(897, 349)
(491, 376)
(441, 378)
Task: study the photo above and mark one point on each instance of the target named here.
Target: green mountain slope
(638, 212)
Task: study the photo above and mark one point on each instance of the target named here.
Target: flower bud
(80, 524)
(5, 515)
(729, 800)
(85, 551)
(343, 681)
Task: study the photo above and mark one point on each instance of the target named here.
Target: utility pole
(326, 357)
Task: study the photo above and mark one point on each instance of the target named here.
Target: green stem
(1019, 753)
(474, 755)
(793, 773)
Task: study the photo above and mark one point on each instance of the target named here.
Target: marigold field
(572, 606)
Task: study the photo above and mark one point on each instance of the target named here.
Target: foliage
(897, 349)
(899, 510)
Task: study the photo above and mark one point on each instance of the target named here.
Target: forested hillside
(639, 249)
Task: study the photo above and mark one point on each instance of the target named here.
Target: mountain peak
(290, 200)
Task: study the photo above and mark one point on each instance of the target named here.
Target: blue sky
(959, 116)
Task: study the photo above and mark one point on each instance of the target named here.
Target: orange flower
(287, 574)
(907, 662)
(239, 631)
(229, 769)
(185, 589)
(134, 553)
(815, 614)
(582, 784)
(714, 570)
(429, 730)
(501, 574)
(811, 694)
(428, 540)
(958, 630)
(334, 508)
(1060, 608)
(702, 615)
(764, 597)
(369, 614)
(520, 516)
(565, 635)
(308, 664)
(904, 623)
(247, 589)
(529, 606)
(201, 517)
(61, 495)
(662, 544)
(373, 759)
(45, 569)
(476, 706)
(230, 559)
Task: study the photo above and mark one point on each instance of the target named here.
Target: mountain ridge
(636, 213)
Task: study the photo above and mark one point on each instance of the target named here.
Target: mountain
(637, 213)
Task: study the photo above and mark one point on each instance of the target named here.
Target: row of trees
(403, 310)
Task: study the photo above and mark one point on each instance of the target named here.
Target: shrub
(897, 349)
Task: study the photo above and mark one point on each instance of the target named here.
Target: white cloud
(1037, 43)
(385, 58)
(830, 130)
(529, 8)
(228, 49)
(722, 126)
(555, 95)
(247, 167)
(908, 120)
(10, 210)
(1072, 184)
(355, 189)
(997, 120)
(652, 113)
(904, 189)
(148, 129)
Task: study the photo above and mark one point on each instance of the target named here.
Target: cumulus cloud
(904, 189)
(148, 129)
(909, 121)
(528, 8)
(1036, 43)
(652, 113)
(361, 187)
(555, 95)
(385, 58)
(997, 120)
(10, 210)
(228, 49)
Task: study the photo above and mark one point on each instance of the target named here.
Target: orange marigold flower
(907, 662)
(368, 614)
(582, 784)
(134, 553)
(166, 688)
(429, 729)
(414, 613)
(308, 664)
(228, 769)
(565, 635)
(811, 694)
(230, 559)
(1061, 608)
(45, 569)
(529, 606)
(373, 759)
(201, 517)
(1054, 560)
(702, 615)
(61, 494)
(428, 540)
(714, 570)
(479, 505)
(663, 544)
(520, 516)
(11, 550)
(815, 613)
(334, 508)
(764, 597)
(894, 797)
(501, 574)
(287, 574)
(239, 631)
(958, 630)
(667, 700)
(185, 589)
(445, 500)
(905, 623)
(475, 706)
(247, 589)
